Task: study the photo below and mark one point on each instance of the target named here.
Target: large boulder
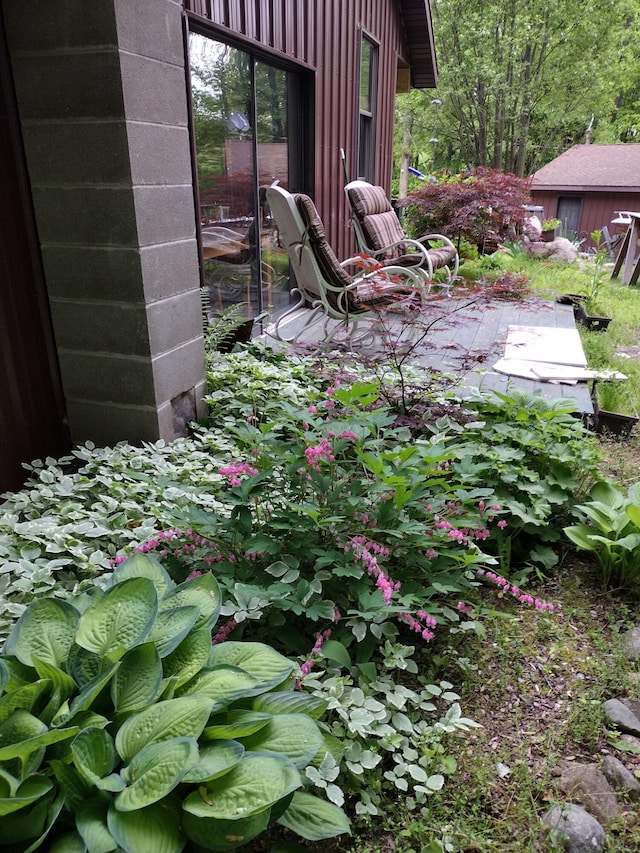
(559, 249)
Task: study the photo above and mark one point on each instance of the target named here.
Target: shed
(587, 185)
(106, 180)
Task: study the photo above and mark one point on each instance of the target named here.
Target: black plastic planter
(614, 423)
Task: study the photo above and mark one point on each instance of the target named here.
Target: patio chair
(380, 234)
(324, 284)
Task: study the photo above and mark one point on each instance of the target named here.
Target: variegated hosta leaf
(119, 619)
(155, 771)
(203, 592)
(216, 759)
(295, 736)
(254, 785)
(46, 631)
(259, 660)
(137, 682)
(182, 717)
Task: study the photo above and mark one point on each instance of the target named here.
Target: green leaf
(73, 787)
(5, 675)
(119, 619)
(84, 666)
(216, 759)
(28, 792)
(23, 697)
(137, 682)
(295, 736)
(17, 729)
(253, 786)
(633, 512)
(288, 702)
(171, 627)
(140, 565)
(223, 685)
(183, 717)
(203, 592)
(91, 823)
(582, 536)
(189, 657)
(25, 824)
(70, 843)
(235, 724)
(258, 659)
(63, 684)
(212, 834)
(155, 771)
(313, 818)
(93, 753)
(155, 828)
(45, 631)
(91, 691)
(333, 650)
(23, 747)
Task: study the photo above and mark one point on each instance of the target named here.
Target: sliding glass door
(248, 133)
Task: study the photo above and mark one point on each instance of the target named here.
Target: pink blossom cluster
(315, 652)
(317, 452)
(348, 434)
(422, 623)
(367, 552)
(234, 469)
(464, 608)
(516, 592)
(224, 632)
(178, 550)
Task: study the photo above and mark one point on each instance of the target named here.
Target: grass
(536, 682)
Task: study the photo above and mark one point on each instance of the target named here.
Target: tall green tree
(520, 81)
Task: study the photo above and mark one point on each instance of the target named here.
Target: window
(368, 109)
(248, 134)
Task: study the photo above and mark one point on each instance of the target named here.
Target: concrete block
(102, 272)
(77, 152)
(174, 321)
(153, 91)
(159, 154)
(106, 423)
(164, 214)
(178, 370)
(106, 378)
(85, 215)
(69, 86)
(59, 24)
(170, 268)
(101, 327)
(151, 28)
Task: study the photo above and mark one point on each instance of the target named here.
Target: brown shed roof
(592, 167)
(418, 30)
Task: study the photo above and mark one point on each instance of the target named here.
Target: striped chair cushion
(333, 273)
(381, 229)
(368, 200)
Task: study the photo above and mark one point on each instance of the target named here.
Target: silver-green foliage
(123, 728)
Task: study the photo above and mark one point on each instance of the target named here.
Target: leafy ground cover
(409, 553)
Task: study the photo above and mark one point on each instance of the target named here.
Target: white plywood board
(548, 344)
(541, 371)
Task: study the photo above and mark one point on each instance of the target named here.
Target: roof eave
(418, 28)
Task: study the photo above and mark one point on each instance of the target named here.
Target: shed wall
(598, 208)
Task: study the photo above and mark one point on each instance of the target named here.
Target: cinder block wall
(102, 96)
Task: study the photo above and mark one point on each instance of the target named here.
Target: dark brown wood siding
(31, 406)
(598, 208)
(323, 36)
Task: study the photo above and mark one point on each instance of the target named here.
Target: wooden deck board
(469, 338)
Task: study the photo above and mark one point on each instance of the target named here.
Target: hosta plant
(610, 530)
(122, 728)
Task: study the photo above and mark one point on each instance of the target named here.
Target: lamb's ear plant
(123, 728)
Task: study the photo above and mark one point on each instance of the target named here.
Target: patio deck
(469, 338)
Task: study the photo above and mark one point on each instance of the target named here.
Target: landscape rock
(634, 741)
(575, 829)
(631, 643)
(559, 249)
(589, 786)
(620, 777)
(633, 705)
(617, 713)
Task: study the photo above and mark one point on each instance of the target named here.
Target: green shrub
(122, 727)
